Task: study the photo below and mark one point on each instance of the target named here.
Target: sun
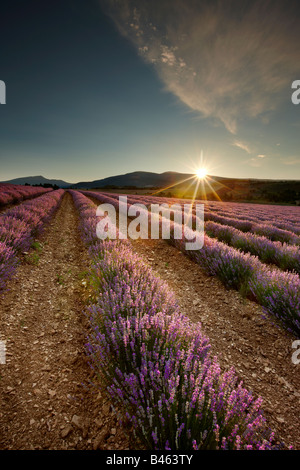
(201, 173)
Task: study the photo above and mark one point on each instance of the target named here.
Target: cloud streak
(228, 61)
(242, 145)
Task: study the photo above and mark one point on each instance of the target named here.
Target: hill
(137, 179)
(37, 180)
(174, 184)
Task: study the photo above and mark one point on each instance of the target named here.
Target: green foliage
(32, 258)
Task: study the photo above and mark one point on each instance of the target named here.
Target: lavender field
(194, 390)
(258, 258)
(155, 364)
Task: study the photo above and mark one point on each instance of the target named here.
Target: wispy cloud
(242, 145)
(226, 60)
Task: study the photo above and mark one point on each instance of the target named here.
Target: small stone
(66, 431)
(77, 421)
(101, 437)
(280, 420)
(106, 409)
(52, 393)
(99, 422)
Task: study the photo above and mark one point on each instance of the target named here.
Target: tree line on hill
(45, 185)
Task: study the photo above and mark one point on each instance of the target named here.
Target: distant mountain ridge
(173, 184)
(38, 180)
(139, 179)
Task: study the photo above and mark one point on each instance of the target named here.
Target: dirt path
(260, 353)
(46, 401)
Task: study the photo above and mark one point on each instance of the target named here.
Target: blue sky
(97, 88)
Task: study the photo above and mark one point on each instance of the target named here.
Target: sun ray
(172, 185)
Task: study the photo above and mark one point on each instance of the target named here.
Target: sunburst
(201, 173)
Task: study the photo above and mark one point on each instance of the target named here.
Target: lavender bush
(285, 256)
(19, 225)
(11, 193)
(7, 264)
(279, 294)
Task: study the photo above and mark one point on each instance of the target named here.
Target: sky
(97, 88)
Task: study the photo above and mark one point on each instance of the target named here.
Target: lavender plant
(7, 264)
(285, 256)
(11, 193)
(19, 225)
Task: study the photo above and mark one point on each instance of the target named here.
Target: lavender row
(11, 194)
(284, 217)
(262, 229)
(19, 225)
(281, 230)
(278, 292)
(284, 224)
(285, 256)
(156, 363)
(267, 230)
(274, 230)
